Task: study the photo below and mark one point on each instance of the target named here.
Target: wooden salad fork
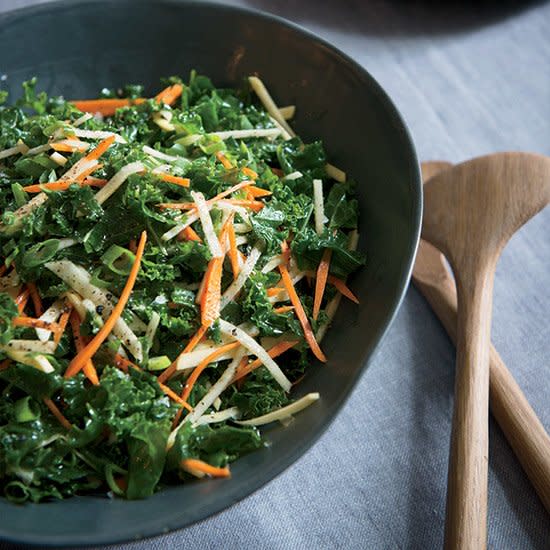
(471, 211)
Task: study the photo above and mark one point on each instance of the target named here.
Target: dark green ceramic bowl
(76, 48)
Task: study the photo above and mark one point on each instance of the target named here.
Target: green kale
(8, 311)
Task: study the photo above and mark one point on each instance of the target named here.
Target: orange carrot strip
(102, 146)
(197, 371)
(83, 175)
(64, 185)
(189, 234)
(321, 281)
(107, 107)
(300, 313)
(233, 251)
(165, 375)
(22, 300)
(63, 147)
(227, 164)
(63, 320)
(184, 182)
(3, 269)
(34, 323)
(283, 309)
(88, 369)
(194, 465)
(274, 291)
(57, 413)
(36, 300)
(211, 295)
(249, 172)
(342, 288)
(258, 192)
(175, 397)
(169, 94)
(278, 172)
(78, 362)
(275, 351)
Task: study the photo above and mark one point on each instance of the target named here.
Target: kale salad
(169, 267)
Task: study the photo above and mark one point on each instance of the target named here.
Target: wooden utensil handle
(466, 515)
(515, 416)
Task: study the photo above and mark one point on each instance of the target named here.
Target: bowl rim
(415, 184)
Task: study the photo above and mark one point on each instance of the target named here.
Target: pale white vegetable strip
(66, 243)
(81, 120)
(158, 154)
(29, 346)
(286, 136)
(60, 160)
(163, 124)
(241, 239)
(216, 390)
(242, 228)
(152, 326)
(162, 169)
(76, 302)
(335, 173)
(220, 416)
(20, 148)
(177, 229)
(235, 287)
(37, 361)
(51, 315)
(23, 211)
(272, 264)
(76, 169)
(217, 403)
(283, 412)
(206, 221)
(97, 134)
(288, 111)
(318, 206)
(293, 175)
(79, 280)
(244, 134)
(117, 180)
(75, 143)
(264, 96)
(332, 306)
(191, 359)
(248, 342)
(38, 149)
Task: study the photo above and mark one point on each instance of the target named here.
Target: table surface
(469, 80)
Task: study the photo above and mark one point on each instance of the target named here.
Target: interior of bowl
(336, 100)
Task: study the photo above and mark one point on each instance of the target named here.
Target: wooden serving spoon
(518, 421)
(471, 211)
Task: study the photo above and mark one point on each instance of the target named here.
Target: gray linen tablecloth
(469, 80)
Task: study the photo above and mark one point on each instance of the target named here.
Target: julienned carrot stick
(321, 281)
(169, 178)
(300, 313)
(63, 185)
(253, 205)
(249, 172)
(102, 146)
(87, 353)
(342, 288)
(169, 94)
(22, 300)
(258, 192)
(211, 295)
(36, 300)
(62, 325)
(275, 351)
(34, 323)
(189, 234)
(193, 465)
(175, 397)
(88, 369)
(197, 371)
(227, 164)
(283, 309)
(107, 107)
(57, 413)
(197, 337)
